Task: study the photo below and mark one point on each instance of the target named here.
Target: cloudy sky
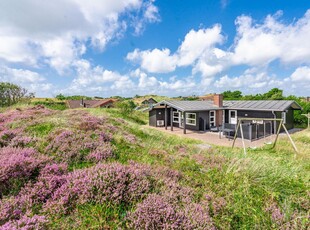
(175, 47)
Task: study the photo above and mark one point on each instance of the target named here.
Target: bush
(17, 166)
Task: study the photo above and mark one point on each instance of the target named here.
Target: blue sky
(176, 47)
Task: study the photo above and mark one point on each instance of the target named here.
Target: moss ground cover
(101, 169)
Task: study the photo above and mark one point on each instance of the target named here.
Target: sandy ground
(213, 138)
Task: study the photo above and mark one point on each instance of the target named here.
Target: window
(283, 116)
(176, 117)
(191, 119)
(212, 118)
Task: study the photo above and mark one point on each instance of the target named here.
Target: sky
(166, 47)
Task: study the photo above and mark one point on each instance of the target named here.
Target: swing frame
(308, 116)
(263, 119)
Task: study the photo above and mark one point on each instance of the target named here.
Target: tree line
(11, 94)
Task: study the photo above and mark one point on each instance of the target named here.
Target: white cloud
(154, 61)
(57, 32)
(30, 80)
(197, 43)
(195, 46)
(249, 81)
(301, 75)
(19, 75)
(260, 44)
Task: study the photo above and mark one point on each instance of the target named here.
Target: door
(233, 117)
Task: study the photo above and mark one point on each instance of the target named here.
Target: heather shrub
(26, 223)
(101, 183)
(6, 136)
(33, 194)
(158, 212)
(17, 166)
(22, 141)
(155, 212)
(27, 114)
(69, 146)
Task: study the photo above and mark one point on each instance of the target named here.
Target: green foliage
(41, 129)
(126, 106)
(273, 94)
(52, 104)
(60, 97)
(232, 95)
(11, 94)
(74, 97)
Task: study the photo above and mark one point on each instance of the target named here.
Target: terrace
(215, 138)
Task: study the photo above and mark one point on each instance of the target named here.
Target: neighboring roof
(74, 104)
(103, 103)
(265, 105)
(190, 105)
(150, 100)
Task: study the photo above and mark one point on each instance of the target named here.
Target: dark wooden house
(217, 114)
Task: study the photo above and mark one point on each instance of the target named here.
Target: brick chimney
(218, 100)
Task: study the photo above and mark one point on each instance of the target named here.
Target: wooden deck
(213, 138)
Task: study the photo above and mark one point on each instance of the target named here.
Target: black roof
(264, 105)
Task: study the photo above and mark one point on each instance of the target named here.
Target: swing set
(239, 126)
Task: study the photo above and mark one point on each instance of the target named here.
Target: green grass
(41, 129)
(51, 104)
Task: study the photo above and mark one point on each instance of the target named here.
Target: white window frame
(176, 115)
(189, 120)
(283, 116)
(212, 123)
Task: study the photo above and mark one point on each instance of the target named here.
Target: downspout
(274, 122)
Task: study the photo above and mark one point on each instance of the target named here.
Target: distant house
(149, 101)
(217, 113)
(74, 104)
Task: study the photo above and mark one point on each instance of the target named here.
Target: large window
(191, 119)
(212, 118)
(176, 117)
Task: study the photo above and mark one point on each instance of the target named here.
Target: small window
(176, 117)
(191, 119)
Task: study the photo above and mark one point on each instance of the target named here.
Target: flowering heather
(102, 183)
(24, 114)
(210, 161)
(276, 214)
(156, 212)
(51, 177)
(18, 164)
(6, 135)
(90, 123)
(26, 223)
(69, 146)
(21, 141)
